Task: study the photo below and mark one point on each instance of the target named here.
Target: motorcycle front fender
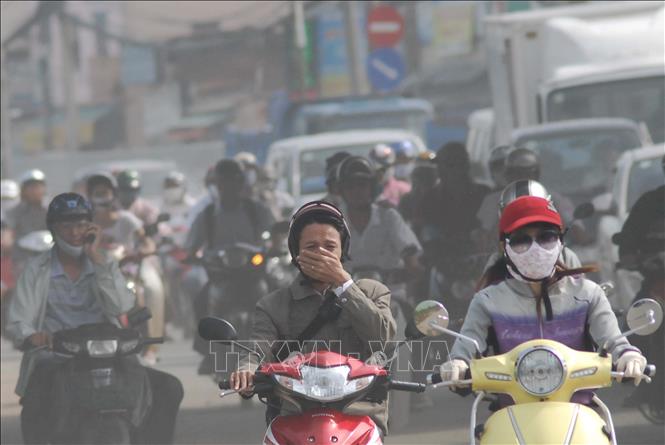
(545, 423)
(322, 425)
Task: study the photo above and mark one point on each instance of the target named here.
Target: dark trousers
(39, 412)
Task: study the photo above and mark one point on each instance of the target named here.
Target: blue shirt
(71, 304)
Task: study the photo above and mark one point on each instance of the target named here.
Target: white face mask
(536, 263)
(68, 249)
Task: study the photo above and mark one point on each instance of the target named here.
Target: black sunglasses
(520, 242)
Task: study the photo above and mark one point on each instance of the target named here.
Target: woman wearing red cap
(529, 294)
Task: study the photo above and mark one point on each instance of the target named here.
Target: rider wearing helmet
(381, 237)
(29, 215)
(319, 243)
(73, 284)
(518, 189)
(231, 219)
(332, 183)
(177, 203)
(533, 295)
(250, 166)
(129, 190)
(449, 217)
(122, 231)
(392, 189)
(405, 156)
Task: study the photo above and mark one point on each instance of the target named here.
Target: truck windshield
(313, 165)
(641, 100)
(645, 175)
(407, 120)
(577, 164)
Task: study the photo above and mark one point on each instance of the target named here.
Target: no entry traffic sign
(385, 26)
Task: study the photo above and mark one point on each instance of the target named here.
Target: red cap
(527, 210)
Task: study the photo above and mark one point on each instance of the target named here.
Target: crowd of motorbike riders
(419, 224)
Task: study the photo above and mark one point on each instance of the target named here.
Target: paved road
(206, 419)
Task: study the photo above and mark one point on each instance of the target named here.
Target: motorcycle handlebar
(649, 371)
(435, 378)
(224, 385)
(407, 386)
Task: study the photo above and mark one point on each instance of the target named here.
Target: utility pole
(351, 22)
(300, 35)
(71, 106)
(5, 130)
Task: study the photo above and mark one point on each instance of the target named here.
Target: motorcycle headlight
(325, 384)
(540, 371)
(74, 348)
(128, 346)
(102, 348)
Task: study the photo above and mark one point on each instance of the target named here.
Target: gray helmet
(522, 163)
(499, 154)
(523, 187)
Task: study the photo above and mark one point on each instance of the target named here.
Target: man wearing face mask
(73, 284)
(319, 242)
(177, 203)
(529, 293)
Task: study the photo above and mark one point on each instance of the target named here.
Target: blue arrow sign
(385, 69)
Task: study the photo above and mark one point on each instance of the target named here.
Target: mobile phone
(89, 239)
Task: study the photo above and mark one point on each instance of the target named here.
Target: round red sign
(385, 27)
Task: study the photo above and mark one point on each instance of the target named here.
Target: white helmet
(33, 175)
(246, 158)
(9, 189)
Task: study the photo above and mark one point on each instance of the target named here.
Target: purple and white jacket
(579, 306)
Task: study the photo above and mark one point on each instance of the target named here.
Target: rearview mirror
(428, 313)
(217, 329)
(644, 316)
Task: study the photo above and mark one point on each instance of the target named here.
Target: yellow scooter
(541, 376)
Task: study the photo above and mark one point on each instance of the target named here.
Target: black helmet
(522, 163)
(129, 180)
(331, 166)
(68, 207)
(324, 213)
(101, 178)
(230, 169)
(355, 167)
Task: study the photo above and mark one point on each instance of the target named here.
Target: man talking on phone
(71, 285)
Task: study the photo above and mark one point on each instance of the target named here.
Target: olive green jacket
(365, 319)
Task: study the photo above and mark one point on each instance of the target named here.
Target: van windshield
(641, 100)
(576, 164)
(313, 166)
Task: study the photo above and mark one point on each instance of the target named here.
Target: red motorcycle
(321, 385)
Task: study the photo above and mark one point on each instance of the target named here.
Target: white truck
(598, 59)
